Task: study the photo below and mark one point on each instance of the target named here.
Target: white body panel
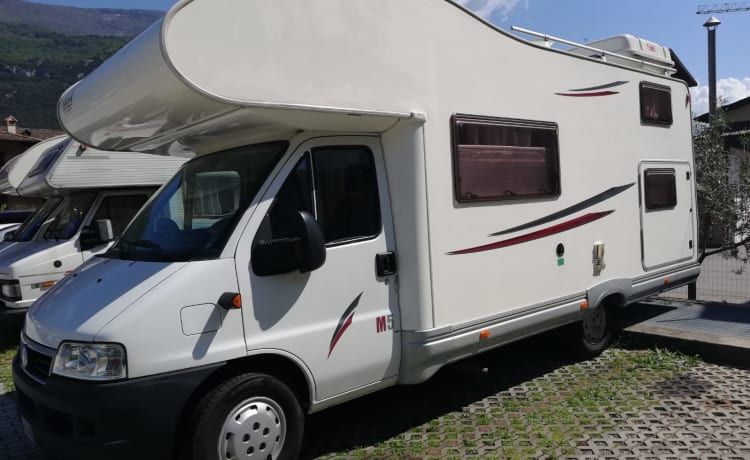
(18, 167)
(327, 73)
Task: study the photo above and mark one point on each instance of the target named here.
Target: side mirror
(96, 234)
(305, 251)
(9, 236)
(104, 227)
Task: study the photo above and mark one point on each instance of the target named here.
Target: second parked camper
(91, 195)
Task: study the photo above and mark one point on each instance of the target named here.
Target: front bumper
(80, 420)
(6, 312)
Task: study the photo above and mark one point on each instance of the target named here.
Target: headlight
(11, 290)
(91, 361)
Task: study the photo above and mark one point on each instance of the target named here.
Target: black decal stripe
(568, 211)
(346, 314)
(596, 94)
(595, 88)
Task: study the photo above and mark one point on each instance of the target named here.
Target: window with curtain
(656, 104)
(500, 159)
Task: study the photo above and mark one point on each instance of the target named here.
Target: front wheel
(592, 335)
(250, 416)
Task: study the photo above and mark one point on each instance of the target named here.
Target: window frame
(647, 85)
(310, 154)
(509, 123)
(659, 171)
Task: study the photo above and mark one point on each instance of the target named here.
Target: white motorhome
(381, 188)
(91, 195)
(12, 174)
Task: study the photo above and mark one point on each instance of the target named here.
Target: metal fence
(719, 282)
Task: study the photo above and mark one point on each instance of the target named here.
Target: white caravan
(91, 195)
(12, 174)
(381, 188)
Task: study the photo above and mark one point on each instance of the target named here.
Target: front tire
(250, 416)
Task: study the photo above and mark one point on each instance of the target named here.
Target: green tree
(723, 188)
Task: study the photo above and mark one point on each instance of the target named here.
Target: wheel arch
(610, 294)
(283, 366)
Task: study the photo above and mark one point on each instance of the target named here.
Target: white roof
(72, 167)
(215, 73)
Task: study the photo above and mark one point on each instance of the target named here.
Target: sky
(672, 23)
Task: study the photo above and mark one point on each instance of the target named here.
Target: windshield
(192, 216)
(34, 222)
(69, 216)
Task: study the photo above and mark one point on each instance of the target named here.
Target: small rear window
(660, 189)
(656, 104)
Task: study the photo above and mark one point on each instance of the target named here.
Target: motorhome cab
(13, 172)
(371, 200)
(91, 195)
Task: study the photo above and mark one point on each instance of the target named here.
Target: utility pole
(712, 24)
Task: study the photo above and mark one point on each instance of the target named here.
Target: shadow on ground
(383, 415)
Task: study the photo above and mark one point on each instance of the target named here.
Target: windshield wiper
(148, 244)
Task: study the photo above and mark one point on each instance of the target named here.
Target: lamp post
(712, 24)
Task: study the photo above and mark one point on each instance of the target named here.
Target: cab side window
(338, 186)
(120, 210)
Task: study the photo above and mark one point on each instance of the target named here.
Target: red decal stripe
(559, 228)
(338, 335)
(594, 94)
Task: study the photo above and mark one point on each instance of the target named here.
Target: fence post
(692, 291)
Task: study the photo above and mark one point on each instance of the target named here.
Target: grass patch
(663, 360)
(9, 336)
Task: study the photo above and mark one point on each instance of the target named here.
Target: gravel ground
(529, 401)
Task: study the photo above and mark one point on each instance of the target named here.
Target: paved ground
(529, 400)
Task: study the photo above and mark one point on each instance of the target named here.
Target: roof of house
(727, 108)
(28, 135)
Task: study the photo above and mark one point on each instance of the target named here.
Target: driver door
(340, 320)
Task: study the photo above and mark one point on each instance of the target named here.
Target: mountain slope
(37, 65)
(78, 21)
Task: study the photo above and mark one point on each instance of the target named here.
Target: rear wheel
(592, 335)
(249, 416)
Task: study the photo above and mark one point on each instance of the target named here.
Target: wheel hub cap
(255, 428)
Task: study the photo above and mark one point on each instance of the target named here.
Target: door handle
(385, 263)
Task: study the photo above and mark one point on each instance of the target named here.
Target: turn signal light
(667, 280)
(47, 284)
(584, 305)
(484, 334)
(230, 300)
